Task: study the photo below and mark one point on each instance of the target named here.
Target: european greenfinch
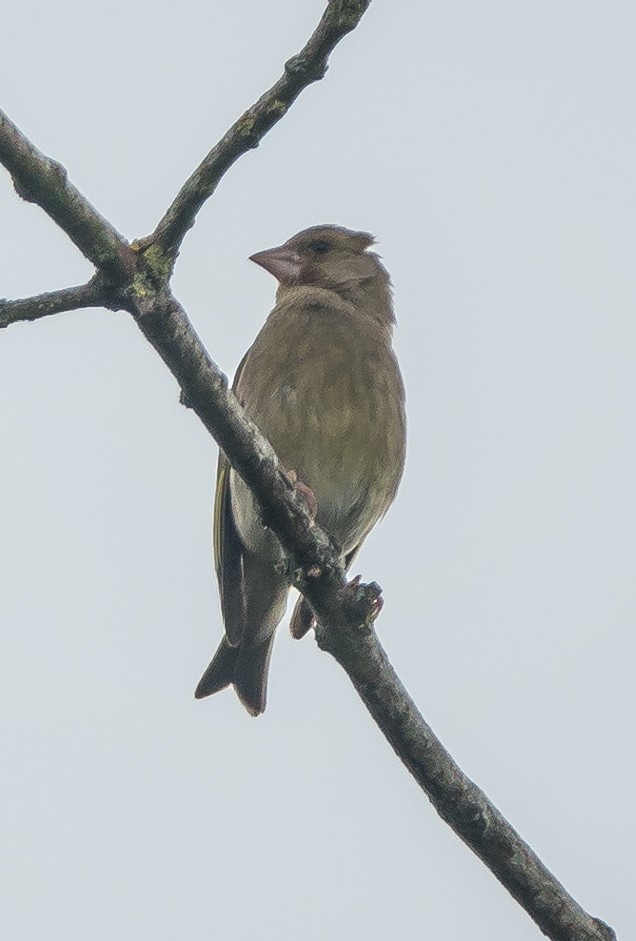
(322, 383)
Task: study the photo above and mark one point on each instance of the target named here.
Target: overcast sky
(491, 147)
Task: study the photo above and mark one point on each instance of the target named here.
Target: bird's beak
(283, 262)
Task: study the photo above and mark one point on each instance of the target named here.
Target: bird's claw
(368, 597)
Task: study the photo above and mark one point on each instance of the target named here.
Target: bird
(321, 381)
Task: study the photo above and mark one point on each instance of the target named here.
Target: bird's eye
(320, 247)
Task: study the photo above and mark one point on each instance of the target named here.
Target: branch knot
(300, 67)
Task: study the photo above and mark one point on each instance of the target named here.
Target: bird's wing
(228, 556)
(228, 549)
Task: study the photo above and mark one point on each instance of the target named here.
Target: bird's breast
(329, 397)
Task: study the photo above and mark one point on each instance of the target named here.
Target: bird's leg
(305, 491)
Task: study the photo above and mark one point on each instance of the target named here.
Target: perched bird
(322, 383)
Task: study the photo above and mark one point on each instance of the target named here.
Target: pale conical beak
(282, 262)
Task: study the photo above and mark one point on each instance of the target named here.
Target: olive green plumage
(322, 383)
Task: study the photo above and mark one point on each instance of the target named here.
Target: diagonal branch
(344, 630)
(39, 179)
(457, 799)
(310, 65)
(205, 389)
(90, 294)
(137, 280)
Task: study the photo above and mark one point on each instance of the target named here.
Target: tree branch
(310, 65)
(91, 294)
(344, 630)
(39, 179)
(205, 389)
(455, 797)
(137, 280)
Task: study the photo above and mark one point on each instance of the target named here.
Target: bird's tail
(246, 667)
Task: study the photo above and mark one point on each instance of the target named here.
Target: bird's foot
(369, 597)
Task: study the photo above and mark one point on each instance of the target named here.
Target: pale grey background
(491, 147)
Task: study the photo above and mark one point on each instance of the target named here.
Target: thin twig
(39, 179)
(90, 294)
(310, 65)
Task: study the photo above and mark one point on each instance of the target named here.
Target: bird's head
(335, 259)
